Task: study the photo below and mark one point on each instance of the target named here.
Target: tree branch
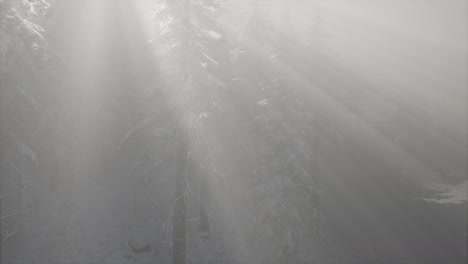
(14, 214)
(25, 190)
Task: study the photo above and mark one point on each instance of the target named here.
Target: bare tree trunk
(179, 244)
(204, 225)
(180, 207)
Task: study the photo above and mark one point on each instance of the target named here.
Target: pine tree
(284, 195)
(25, 58)
(316, 32)
(258, 28)
(191, 51)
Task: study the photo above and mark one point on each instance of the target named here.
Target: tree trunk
(180, 207)
(179, 245)
(204, 224)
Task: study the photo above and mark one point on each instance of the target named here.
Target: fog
(248, 131)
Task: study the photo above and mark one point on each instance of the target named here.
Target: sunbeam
(233, 131)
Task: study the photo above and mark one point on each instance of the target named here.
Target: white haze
(329, 132)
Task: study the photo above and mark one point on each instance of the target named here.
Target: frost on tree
(24, 55)
(191, 48)
(284, 200)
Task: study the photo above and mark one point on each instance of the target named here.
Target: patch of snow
(214, 34)
(449, 194)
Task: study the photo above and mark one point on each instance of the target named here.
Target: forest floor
(85, 223)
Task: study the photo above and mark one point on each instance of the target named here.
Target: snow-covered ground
(87, 222)
(449, 194)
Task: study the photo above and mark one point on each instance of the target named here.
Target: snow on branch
(24, 149)
(14, 214)
(133, 130)
(8, 235)
(15, 193)
(213, 61)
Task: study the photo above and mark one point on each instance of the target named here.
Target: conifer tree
(284, 195)
(25, 58)
(191, 51)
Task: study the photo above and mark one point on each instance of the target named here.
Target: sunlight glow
(250, 131)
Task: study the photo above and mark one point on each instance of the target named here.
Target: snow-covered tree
(191, 51)
(284, 195)
(316, 35)
(24, 57)
(258, 29)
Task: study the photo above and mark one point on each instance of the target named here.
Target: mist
(223, 131)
